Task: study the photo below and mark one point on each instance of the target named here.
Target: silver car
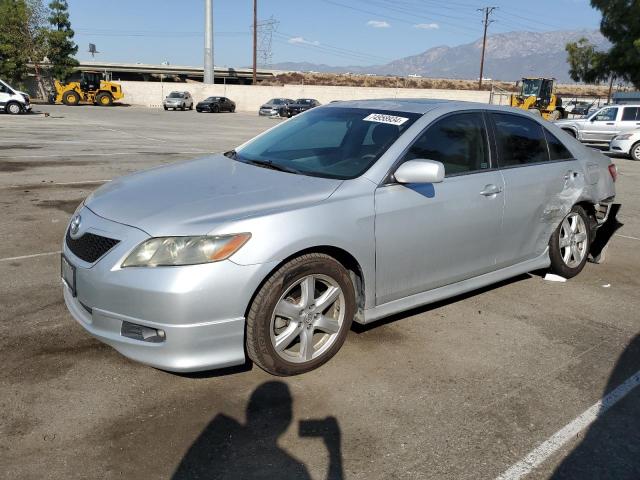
(628, 144)
(603, 125)
(178, 100)
(348, 212)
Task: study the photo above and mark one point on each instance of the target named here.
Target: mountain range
(509, 56)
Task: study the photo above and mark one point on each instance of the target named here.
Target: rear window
(631, 114)
(520, 141)
(176, 95)
(557, 150)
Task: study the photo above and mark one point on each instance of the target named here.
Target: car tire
(13, 108)
(182, 107)
(165, 107)
(569, 244)
(232, 109)
(635, 152)
(71, 98)
(313, 333)
(215, 109)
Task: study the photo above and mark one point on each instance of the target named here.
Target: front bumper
(263, 112)
(200, 308)
(620, 146)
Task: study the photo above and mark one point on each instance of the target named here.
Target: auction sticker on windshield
(382, 118)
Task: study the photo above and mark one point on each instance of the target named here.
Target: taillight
(613, 170)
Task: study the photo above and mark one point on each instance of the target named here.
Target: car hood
(192, 198)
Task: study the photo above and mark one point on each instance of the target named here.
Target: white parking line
(24, 257)
(570, 431)
(626, 236)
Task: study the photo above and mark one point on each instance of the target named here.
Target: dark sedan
(299, 106)
(216, 104)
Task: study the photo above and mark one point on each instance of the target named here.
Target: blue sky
(335, 32)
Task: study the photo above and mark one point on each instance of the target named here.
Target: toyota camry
(349, 212)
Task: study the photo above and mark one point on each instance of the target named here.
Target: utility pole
(487, 11)
(208, 42)
(255, 39)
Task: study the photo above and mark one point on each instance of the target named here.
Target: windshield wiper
(273, 166)
(231, 154)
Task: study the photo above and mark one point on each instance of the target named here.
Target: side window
(520, 140)
(557, 150)
(3, 89)
(607, 115)
(631, 114)
(458, 141)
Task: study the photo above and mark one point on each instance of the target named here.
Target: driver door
(431, 235)
(602, 127)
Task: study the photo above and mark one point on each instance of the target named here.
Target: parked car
(627, 143)
(603, 125)
(578, 108)
(13, 101)
(351, 212)
(178, 100)
(216, 104)
(299, 106)
(274, 107)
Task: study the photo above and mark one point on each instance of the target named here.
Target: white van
(13, 101)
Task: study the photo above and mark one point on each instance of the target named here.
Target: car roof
(410, 105)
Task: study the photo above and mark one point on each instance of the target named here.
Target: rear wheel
(300, 317)
(635, 152)
(191, 107)
(13, 108)
(104, 99)
(232, 109)
(71, 98)
(569, 244)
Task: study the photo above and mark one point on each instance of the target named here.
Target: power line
(487, 11)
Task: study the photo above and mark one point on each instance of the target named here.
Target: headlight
(626, 136)
(173, 251)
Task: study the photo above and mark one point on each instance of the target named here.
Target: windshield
(275, 101)
(304, 101)
(212, 99)
(531, 87)
(329, 142)
(176, 95)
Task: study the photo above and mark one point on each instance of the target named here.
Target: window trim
(389, 178)
(544, 133)
(546, 138)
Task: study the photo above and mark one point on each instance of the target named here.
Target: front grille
(90, 247)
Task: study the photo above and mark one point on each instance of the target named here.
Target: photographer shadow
(227, 449)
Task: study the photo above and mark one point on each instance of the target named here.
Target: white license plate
(68, 273)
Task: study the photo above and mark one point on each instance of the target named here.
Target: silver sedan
(349, 212)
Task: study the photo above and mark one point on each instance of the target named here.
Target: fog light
(142, 333)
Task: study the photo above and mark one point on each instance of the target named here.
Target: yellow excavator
(92, 88)
(538, 94)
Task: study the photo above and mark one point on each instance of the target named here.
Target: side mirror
(420, 171)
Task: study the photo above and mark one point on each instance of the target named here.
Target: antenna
(92, 49)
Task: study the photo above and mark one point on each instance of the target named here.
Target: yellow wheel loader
(537, 94)
(91, 88)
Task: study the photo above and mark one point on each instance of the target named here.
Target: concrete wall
(248, 98)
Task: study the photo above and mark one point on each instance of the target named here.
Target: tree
(621, 26)
(586, 64)
(61, 48)
(14, 15)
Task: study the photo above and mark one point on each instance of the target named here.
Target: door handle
(490, 190)
(610, 123)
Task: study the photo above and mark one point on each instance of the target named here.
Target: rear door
(541, 177)
(431, 235)
(630, 119)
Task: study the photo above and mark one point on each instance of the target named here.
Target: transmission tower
(265, 30)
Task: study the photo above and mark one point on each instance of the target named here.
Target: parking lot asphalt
(461, 389)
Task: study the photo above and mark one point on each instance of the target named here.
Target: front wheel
(300, 317)
(635, 152)
(13, 108)
(569, 244)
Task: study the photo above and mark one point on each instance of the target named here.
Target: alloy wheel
(307, 318)
(573, 240)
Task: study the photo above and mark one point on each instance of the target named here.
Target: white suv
(13, 101)
(605, 124)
